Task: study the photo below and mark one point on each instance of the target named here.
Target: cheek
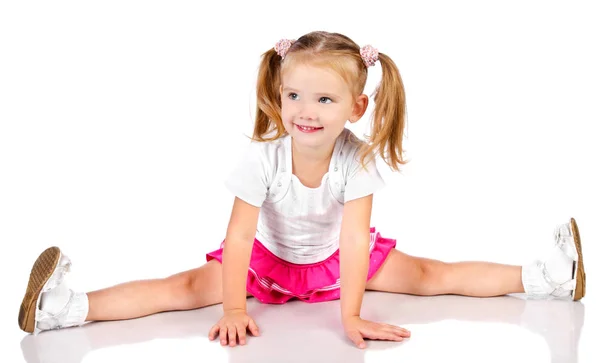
(287, 112)
(332, 115)
(285, 116)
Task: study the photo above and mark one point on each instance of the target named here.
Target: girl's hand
(356, 329)
(232, 325)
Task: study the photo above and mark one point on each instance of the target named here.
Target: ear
(359, 108)
(280, 90)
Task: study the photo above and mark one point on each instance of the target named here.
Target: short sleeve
(361, 181)
(249, 180)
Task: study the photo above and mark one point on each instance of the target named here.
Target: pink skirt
(275, 281)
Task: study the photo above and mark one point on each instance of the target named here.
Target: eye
(325, 98)
(291, 95)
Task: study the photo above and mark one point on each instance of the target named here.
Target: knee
(180, 290)
(431, 277)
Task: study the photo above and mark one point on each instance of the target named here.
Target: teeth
(307, 128)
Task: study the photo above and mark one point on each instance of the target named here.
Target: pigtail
(268, 100)
(387, 127)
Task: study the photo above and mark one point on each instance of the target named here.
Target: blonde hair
(342, 55)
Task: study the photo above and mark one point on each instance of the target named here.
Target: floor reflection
(303, 331)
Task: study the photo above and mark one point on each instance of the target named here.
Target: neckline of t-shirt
(323, 183)
(332, 163)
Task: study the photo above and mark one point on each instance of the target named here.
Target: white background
(119, 121)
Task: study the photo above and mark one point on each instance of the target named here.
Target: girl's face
(315, 105)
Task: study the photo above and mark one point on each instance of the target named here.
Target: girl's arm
(354, 265)
(354, 255)
(236, 254)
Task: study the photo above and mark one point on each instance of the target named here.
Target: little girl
(300, 223)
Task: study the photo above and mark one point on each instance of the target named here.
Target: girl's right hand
(232, 325)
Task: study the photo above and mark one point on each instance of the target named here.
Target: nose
(307, 112)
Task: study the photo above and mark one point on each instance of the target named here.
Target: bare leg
(402, 273)
(49, 303)
(187, 290)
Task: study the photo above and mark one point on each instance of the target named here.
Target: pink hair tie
(369, 55)
(282, 46)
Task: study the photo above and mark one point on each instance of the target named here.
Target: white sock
(533, 282)
(60, 298)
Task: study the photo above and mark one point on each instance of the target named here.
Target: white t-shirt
(297, 223)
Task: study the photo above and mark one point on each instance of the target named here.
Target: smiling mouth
(308, 128)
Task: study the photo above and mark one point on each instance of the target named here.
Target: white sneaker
(561, 275)
(48, 302)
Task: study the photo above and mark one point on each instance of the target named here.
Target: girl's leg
(560, 275)
(50, 304)
(402, 273)
(187, 290)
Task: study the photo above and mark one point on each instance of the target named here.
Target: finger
(381, 332)
(357, 339)
(400, 331)
(232, 333)
(253, 328)
(223, 334)
(404, 333)
(391, 335)
(394, 336)
(396, 327)
(241, 331)
(212, 334)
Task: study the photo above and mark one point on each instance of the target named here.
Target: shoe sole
(579, 291)
(41, 271)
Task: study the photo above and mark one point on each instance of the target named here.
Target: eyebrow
(333, 95)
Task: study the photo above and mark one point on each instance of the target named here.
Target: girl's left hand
(357, 329)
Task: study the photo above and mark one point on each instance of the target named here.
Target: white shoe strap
(565, 241)
(46, 321)
(557, 289)
(567, 246)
